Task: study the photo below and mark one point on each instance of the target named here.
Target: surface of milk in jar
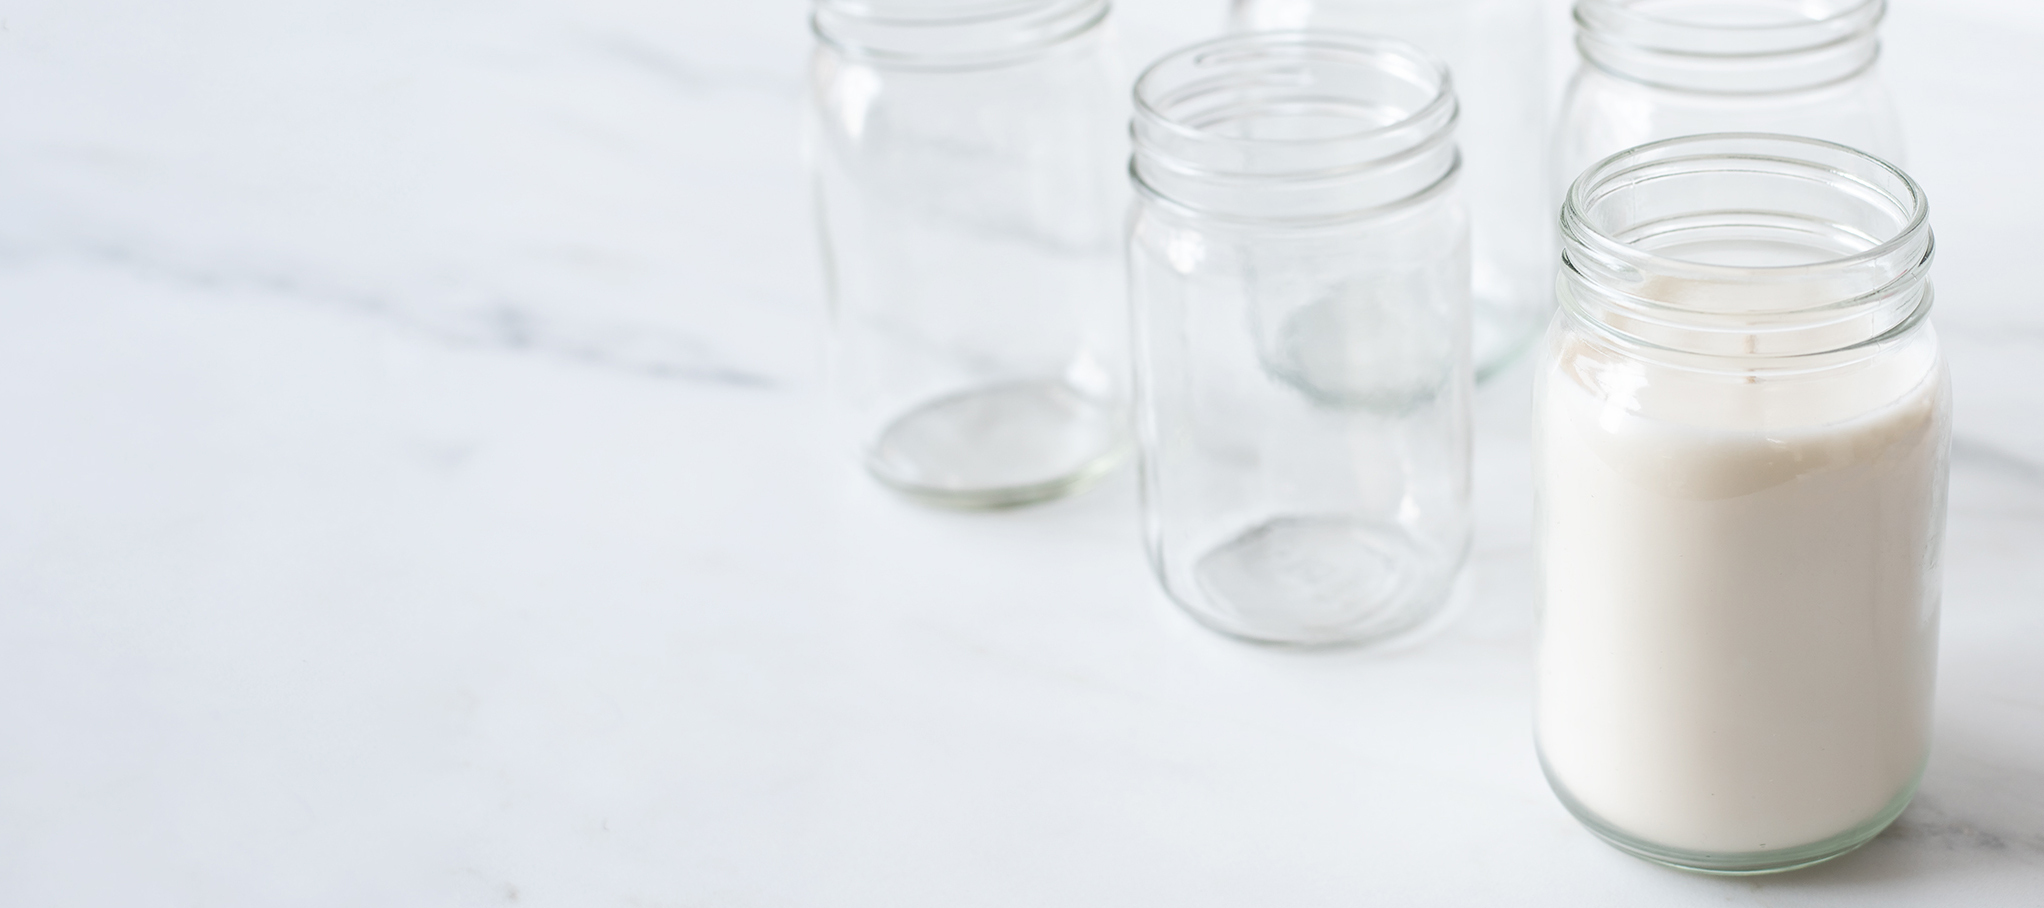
(1741, 465)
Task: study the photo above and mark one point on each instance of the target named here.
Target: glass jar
(1497, 53)
(1742, 422)
(1657, 69)
(1299, 277)
(970, 197)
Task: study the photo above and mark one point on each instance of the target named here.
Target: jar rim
(951, 36)
(1806, 197)
(1297, 126)
(1575, 222)
(934, 14)
(1330, 220)
(1306, 39)
(1630, 13)
(1685, 49)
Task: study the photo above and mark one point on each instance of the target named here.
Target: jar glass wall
(1496, 51)
(1657, 69)
(971, 203)
(1300, 288)
(1741, 435)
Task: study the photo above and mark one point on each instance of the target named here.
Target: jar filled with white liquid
(1657, 69)
(1742, 426)
(967, 162)
(1299, 280)
(1497, 53)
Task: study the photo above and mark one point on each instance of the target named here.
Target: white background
(412, 492)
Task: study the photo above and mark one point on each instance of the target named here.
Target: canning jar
(1656, 69)
(968, 186)
(1741, 436)
(1299, 279)
(1497, 53)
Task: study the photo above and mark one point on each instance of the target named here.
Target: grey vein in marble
(494, 323)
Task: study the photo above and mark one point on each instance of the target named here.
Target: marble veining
(416, 492)
(492, 322)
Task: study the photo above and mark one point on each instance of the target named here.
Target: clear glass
(1742, 426)
(1497, 52)
(1657, 69)
(970, 197)
(1299, 277)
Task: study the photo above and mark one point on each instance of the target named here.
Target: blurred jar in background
(968, 162)
(1497, 53)
(1299, 279)
(1658, 69)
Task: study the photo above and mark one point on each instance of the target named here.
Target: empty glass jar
(1497, 52)
(969, 189)
(1656, 69)
(1741, 437)
(1300, 288)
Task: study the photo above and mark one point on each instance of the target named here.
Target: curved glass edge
(1721, 148)
(1151, 99)
(1748, 863)
(991, 38)
(1006, 497)
(1391, 632)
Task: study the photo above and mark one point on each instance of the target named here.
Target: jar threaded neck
(1730, 46)
(1294, 126)
(921, 34)
(1746, 245)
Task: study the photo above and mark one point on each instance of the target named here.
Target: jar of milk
(1299, 281)
(1741, 437)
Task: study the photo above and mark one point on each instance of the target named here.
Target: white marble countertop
(413, 495)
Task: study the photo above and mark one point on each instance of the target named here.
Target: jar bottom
(1318, 580)
(1750, 863)
(1501, 330)
(998, 446)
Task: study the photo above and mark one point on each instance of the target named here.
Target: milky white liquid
(1741, 590)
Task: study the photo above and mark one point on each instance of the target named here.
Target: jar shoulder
(1602, 114)
(1761, 396)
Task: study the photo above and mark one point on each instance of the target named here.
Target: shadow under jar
(1742, 422)
(1657, 69)
(1299, 280)
(971, 204)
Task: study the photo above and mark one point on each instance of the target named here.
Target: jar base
(999, 446)
(1318, 580)
(1501, 330)
(1749, 863)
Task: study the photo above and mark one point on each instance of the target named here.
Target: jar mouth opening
(934, 34)
(1160, 100)
(1295, 126)
(1755, 153)
(1746, 245)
